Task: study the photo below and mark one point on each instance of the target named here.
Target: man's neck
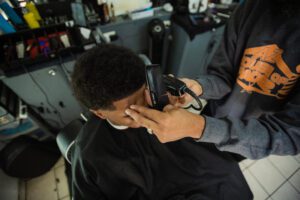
(119, 127)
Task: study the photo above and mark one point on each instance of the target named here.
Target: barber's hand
(170, 125)
(186, 98)
(173, 100)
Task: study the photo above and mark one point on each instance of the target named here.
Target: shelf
(124, 19)
(17, 67)
(29, 32)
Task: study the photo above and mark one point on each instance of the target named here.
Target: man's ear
(98, 113)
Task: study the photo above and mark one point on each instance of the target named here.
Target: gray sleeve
(277, 133)
(213, 87)
(220, 77)
(221, 71)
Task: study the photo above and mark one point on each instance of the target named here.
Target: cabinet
(133, 34)
(48, 91)
(189, 58)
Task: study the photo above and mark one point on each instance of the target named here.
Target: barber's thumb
(168, 107)
(181, 101)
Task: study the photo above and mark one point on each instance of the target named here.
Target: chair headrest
(66, 137)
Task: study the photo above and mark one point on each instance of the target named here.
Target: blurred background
(39, 43)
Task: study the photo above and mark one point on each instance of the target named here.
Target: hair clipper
(157, 87)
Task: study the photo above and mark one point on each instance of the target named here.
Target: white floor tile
(61, 181)
(257, 190)
(295, 180)
(286, 192)
(248, 162)
(42, 187)
(8, 187)
(60, 162)
(287, 165)
(297, 157)
(242, 166)
(22, 190)
(267, 175)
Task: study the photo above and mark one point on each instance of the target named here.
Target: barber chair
(65, 142)
(66, 138)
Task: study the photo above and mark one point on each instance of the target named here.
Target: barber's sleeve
(221, 71)
(83, 184)
(277, 133)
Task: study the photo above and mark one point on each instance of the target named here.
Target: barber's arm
(277, 133)
(224, 66)
(219, 79)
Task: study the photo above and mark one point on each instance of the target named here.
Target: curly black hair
(105, 74)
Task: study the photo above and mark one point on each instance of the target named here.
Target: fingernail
(127, 111)
(132, 106)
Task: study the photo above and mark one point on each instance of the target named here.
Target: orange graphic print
(264, 71)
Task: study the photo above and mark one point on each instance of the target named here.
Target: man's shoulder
(89, 134)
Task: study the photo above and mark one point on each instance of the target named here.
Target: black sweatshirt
(132, 164)
(253, 84)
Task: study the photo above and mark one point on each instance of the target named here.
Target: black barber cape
(132, 164)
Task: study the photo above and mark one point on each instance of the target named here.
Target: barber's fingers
(151, 114)
(168, 108)
(183, 100)
(130, 123)
(193, 85)
(134, 125)
(173, 99)
(141, 120)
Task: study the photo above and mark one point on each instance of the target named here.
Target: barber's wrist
(199, 127)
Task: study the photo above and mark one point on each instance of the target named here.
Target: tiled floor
(8, 187)
(51, 186)
(272, 178)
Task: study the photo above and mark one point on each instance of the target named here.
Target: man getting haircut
(114, 159)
